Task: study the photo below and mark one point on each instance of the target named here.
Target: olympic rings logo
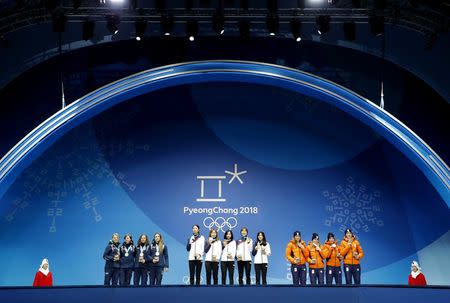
(220, 223)
(185, 280)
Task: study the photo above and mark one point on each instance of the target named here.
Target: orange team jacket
(314, 253)
(331, 254)
(348, 251)
(293, 251)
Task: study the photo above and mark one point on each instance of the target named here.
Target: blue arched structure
(38, 140)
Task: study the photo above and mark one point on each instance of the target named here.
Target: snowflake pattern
(353, 206)
(72, 175)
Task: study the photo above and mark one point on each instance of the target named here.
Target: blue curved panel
(127, 167)
(226, 71)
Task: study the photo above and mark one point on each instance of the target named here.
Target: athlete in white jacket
(228, 256)
(196, 248)
(261, 252)
(244, 249)
(213, 252)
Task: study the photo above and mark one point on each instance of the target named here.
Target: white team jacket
(260, 257)
(244, 249)
(214, 250)
(197, 247)
(229, 252)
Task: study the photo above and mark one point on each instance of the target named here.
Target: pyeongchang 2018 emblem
(210, 181)
(211, 190)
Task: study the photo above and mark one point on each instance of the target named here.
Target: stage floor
(219, 294)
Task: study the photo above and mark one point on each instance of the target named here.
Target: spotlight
(315, 3)
(88, 30)
(112, 24)
(323, 24)
(244, 29)
(167, 24)
(376, 25)
(218, 22)
(59, 22)
(192, 29)
(272, 23)
(296, 29)
(350, 31)
(140, 26)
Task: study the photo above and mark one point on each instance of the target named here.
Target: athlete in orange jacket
(315, 261)
(333, 257)
(352, 252)
(297, 253)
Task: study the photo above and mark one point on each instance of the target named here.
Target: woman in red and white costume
(416, 278)
(43, 277)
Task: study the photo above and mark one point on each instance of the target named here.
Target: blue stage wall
(135, 167)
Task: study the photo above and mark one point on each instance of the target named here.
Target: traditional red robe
(43, 280)
(418, 281)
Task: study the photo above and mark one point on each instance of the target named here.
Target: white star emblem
(235, 174)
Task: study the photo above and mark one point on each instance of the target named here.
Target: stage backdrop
(280, 162)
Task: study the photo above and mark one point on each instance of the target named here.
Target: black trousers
(195, 270)
(156, 274)
(125, 276)
(352, 271)
(316, 276)
(333, 272)
(212, 268)
(247, 266)
(112, 276)
(298, 274)
(261, 270)
(140, 276)
(227, 266)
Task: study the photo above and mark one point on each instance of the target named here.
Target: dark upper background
(417, 57)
